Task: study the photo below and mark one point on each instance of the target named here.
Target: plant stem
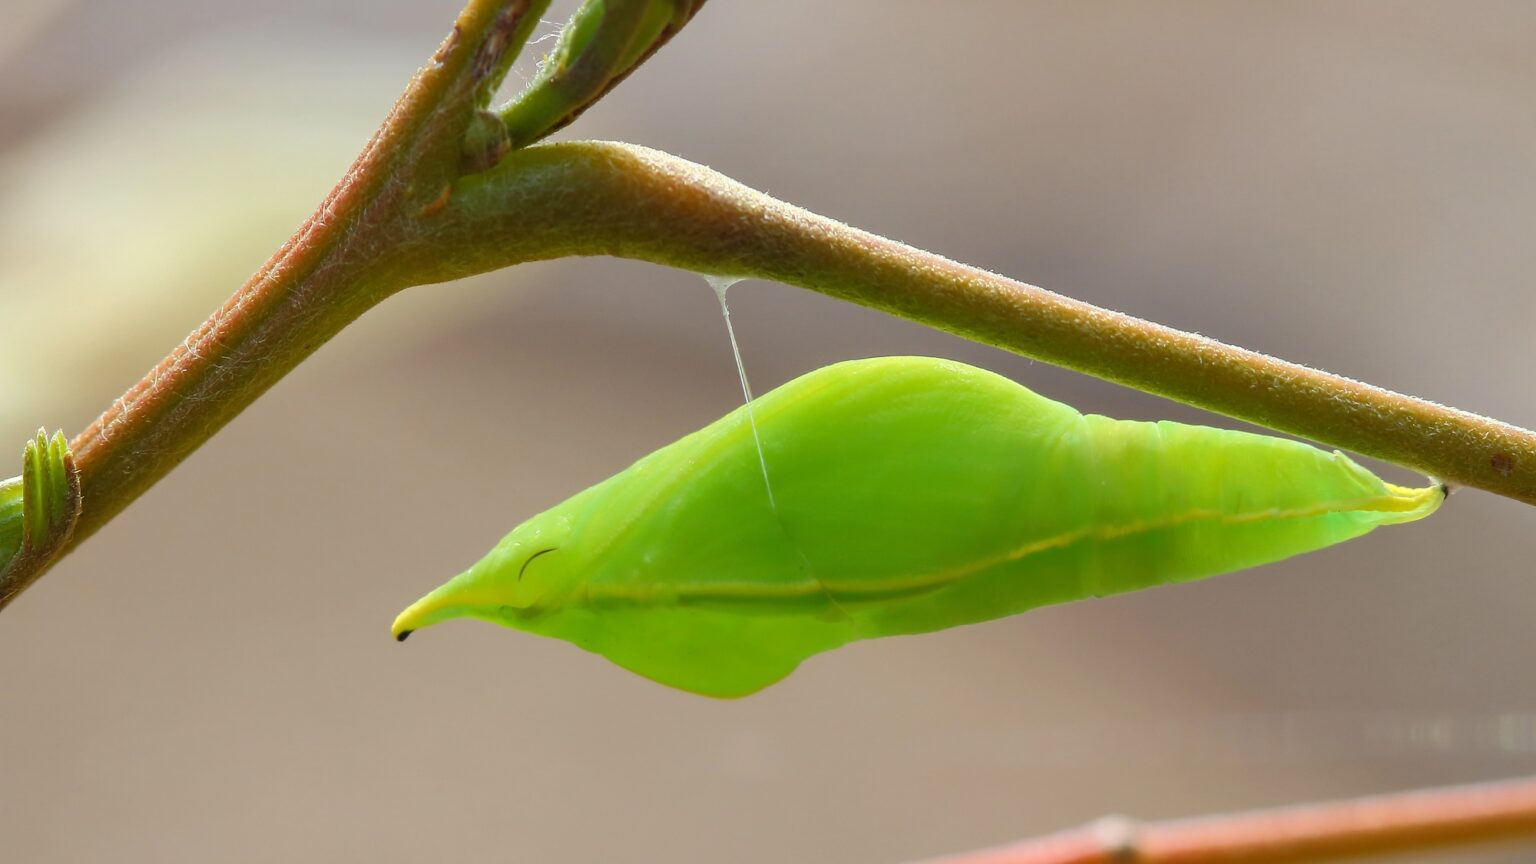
(594, 198)
(332, 270)
(1417, 821)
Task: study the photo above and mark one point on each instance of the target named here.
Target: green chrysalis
(911, 494)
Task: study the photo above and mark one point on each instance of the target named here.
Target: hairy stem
(593, 198)
(1333, 831)
(335, 267)
(343, 260)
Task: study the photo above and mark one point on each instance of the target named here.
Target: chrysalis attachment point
(722, 284)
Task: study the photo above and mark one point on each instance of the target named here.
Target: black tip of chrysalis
(403, 634)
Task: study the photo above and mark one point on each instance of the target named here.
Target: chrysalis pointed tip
(403, 635)
(1408, 504)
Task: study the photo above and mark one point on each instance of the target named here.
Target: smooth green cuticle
(909, 495)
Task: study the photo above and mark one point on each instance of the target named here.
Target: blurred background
(1346, 184)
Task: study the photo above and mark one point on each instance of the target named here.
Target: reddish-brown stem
(1421, 820)
(334, 268)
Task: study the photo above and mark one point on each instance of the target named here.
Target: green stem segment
(604, 41)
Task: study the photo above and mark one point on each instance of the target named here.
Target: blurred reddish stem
(1333, 831)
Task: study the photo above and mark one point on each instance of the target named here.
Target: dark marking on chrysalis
(524, 568)
(404, 634)
(1503, 463)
